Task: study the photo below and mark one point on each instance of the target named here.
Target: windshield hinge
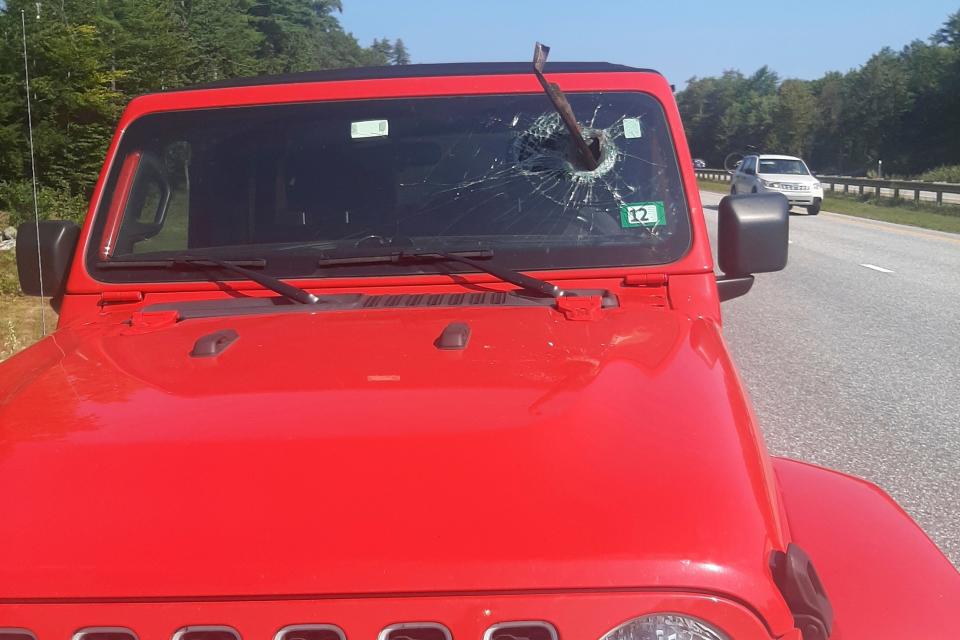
(580, 307)
(645, 280)
(120, 297)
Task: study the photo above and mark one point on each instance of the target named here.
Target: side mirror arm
(730, 287)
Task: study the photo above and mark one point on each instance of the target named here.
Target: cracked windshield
(497, 172)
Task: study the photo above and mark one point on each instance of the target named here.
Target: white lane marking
(876, 268)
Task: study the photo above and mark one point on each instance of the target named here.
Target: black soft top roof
(417, 71)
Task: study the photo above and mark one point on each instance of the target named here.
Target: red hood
(344, 453)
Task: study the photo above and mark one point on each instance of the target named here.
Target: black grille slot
(16, 634)
(311, 632)
(521, 631)
(416, 631)
(105, 633)
(206, 633)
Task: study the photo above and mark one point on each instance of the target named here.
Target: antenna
(33, 166)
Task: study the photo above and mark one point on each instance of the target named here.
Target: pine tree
(382, 51)
(400, 54)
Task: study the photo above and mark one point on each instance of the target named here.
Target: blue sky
(677, 37)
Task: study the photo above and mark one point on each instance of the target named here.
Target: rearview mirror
(752, 237)
(58, 240)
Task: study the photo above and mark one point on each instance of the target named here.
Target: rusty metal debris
(588, 151)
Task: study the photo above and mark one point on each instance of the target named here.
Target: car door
(749, 182)
(740, 176)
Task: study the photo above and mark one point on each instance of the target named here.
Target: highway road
(851, 356)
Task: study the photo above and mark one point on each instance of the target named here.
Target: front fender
(883, 575)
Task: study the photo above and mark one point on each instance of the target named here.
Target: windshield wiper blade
(469, 258)
(236, 266)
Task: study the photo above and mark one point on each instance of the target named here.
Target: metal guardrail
(896, 186)
(717, 175)
(880, 187)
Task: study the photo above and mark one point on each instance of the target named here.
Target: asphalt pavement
(851, 356)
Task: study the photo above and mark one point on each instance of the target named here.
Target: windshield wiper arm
(464, 257)
(236, 266)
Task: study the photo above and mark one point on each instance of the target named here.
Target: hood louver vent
(416, 631)
(521, 631)
(16, 634)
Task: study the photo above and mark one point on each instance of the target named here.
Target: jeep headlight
(768, 183)
(660, 626)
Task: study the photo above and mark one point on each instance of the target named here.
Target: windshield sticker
(631, 128)
(642, 214)
(369, 129)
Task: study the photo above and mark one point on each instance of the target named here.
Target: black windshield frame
(517, 251)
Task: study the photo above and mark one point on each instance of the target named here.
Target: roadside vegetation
(898, 210)
(901, 107)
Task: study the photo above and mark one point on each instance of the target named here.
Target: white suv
(783, 174)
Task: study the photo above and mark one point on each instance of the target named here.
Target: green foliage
(945, 173)
(53, 202)
(400, 53)
(900, 107)
(88, 58)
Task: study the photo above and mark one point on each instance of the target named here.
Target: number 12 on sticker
(642, 214)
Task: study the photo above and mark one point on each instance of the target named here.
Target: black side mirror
(58, 241)
(752, 237)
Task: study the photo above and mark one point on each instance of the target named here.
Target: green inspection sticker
(642, 214)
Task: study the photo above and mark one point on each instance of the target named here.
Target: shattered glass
(518, 175)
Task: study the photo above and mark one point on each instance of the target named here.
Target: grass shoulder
(19, 314)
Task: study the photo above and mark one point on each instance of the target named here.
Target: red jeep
(430, 353)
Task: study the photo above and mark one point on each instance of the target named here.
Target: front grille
(105, 633)
(311, 632)
(416, 631)
(207, 633)
(521, 631)
(527, 630)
